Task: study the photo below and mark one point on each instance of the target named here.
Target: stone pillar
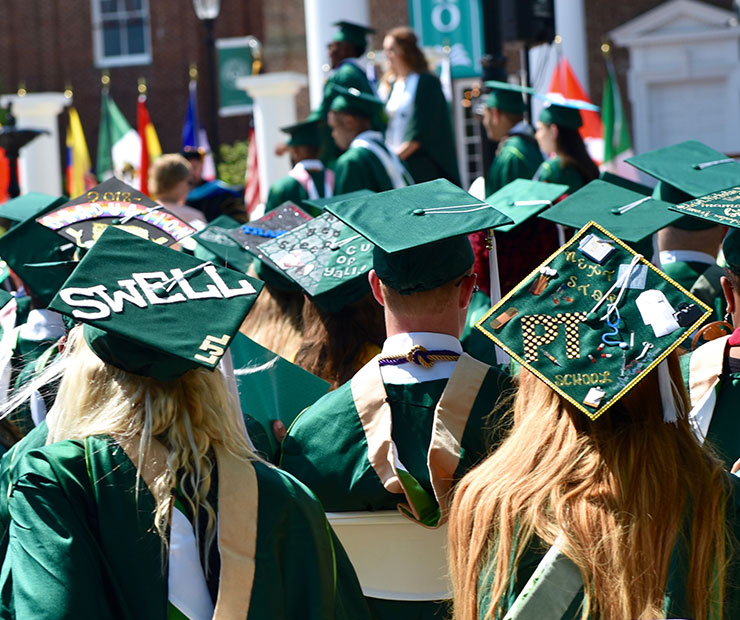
(570, 24)
(320, 15)
(39, 164)
(273, 97)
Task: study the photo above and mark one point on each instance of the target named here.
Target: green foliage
(233, 166)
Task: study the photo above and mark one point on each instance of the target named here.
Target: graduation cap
(319, 204)
(631, 216)
(270, 388)
(5, 298)
(352, 33)
(563, 112)
(419, 231)
(352, 101)
(616, 179)
(273, 224)
(305, 133)
(326, 258)
(29, 205)
(114, 203)
(506, 96)
(731, 250)
(154, 311)
(522, 199)
(218, 244)
(593, 320)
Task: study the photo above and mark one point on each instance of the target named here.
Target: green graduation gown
(358, 168)
(430, 125)
(554, 171)
(289, 188)
(327, 448)
(82, 543)
(517, 157)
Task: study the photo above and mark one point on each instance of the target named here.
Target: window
(121, 34)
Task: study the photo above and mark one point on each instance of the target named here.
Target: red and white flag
(252, 182)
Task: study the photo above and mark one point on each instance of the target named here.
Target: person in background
(212, 198)
(169, 183)
(557, 134)
(308, 179)
(419, 124)
(366, 161)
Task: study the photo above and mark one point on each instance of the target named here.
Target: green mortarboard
(562, 115)
(621, 181)
(319, 204)
(303, 134)
(573, 324)
(352, 101)
(218, 243)
(273, 224)
(328, 259)
(631, 216)
(353, 33)
(419, 232)
(523, 198)
(271, 388)
(5, 298)
(721, 207)
(29, 205)
(112, 202)
(731, 250)
(507, 97)
(154, 311)
(28, 243)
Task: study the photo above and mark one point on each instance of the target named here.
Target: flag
(617, 143)
(4, 176)
(252, 199)
(194, 137)
(565, 82)
(79, 175)
(119, 146)
(150, 147)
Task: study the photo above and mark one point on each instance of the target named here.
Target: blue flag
(191, 128)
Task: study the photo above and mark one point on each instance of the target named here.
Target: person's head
(195, 159)
(346, 126)
(349, 41)
(402, 52)
(557, 132)
(596, 486)
(304, 141)
(731, 280)
(504, 108)
(169, 178)
(498, 122)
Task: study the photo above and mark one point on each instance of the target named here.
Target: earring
(728, 319)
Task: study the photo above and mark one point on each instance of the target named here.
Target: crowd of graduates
(318, 414)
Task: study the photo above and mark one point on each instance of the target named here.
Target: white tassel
(667, 399)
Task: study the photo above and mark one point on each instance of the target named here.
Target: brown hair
(600, 485)
(412, 54)
(333, 342)
(166, 172)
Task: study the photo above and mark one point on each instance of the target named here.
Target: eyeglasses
(465, 277)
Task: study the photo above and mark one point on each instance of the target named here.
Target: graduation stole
(450, 418)
(373, 142)
(301, 173)
(705, 368)
(237, 522)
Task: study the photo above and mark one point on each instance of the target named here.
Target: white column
(570, 24)
(39, 165)
(273, 97)
(320, 15)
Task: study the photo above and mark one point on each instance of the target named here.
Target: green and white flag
(119, 145)
(617, 143)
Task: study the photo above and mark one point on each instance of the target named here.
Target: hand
(407, 149)
(735, 467)
(279, 431)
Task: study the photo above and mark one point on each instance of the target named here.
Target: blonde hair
(166, 172)
(618, 490)
(188, 416)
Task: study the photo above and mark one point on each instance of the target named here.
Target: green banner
(234, 61)
(453, 23)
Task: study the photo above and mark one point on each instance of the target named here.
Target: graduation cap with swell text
(154, 311)
(326, 258)
(419, 231)
(114, 203)
(593, 320)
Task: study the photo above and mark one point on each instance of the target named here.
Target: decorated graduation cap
(29, 205)
(215, 243)
(419, 232)
(631, 216)
(352, 101)
(270, 388)
(722, 207)
(352, 33)
(327, 258)
(522, 199)
(114, 203)
(593, 320)
(305, 133)
(688, 170)
(29, 243)
(506, 96)
(270, 226)
(151, 310)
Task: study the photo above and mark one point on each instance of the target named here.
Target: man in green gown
(308, 179)
(416, 417)
(366, 163)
